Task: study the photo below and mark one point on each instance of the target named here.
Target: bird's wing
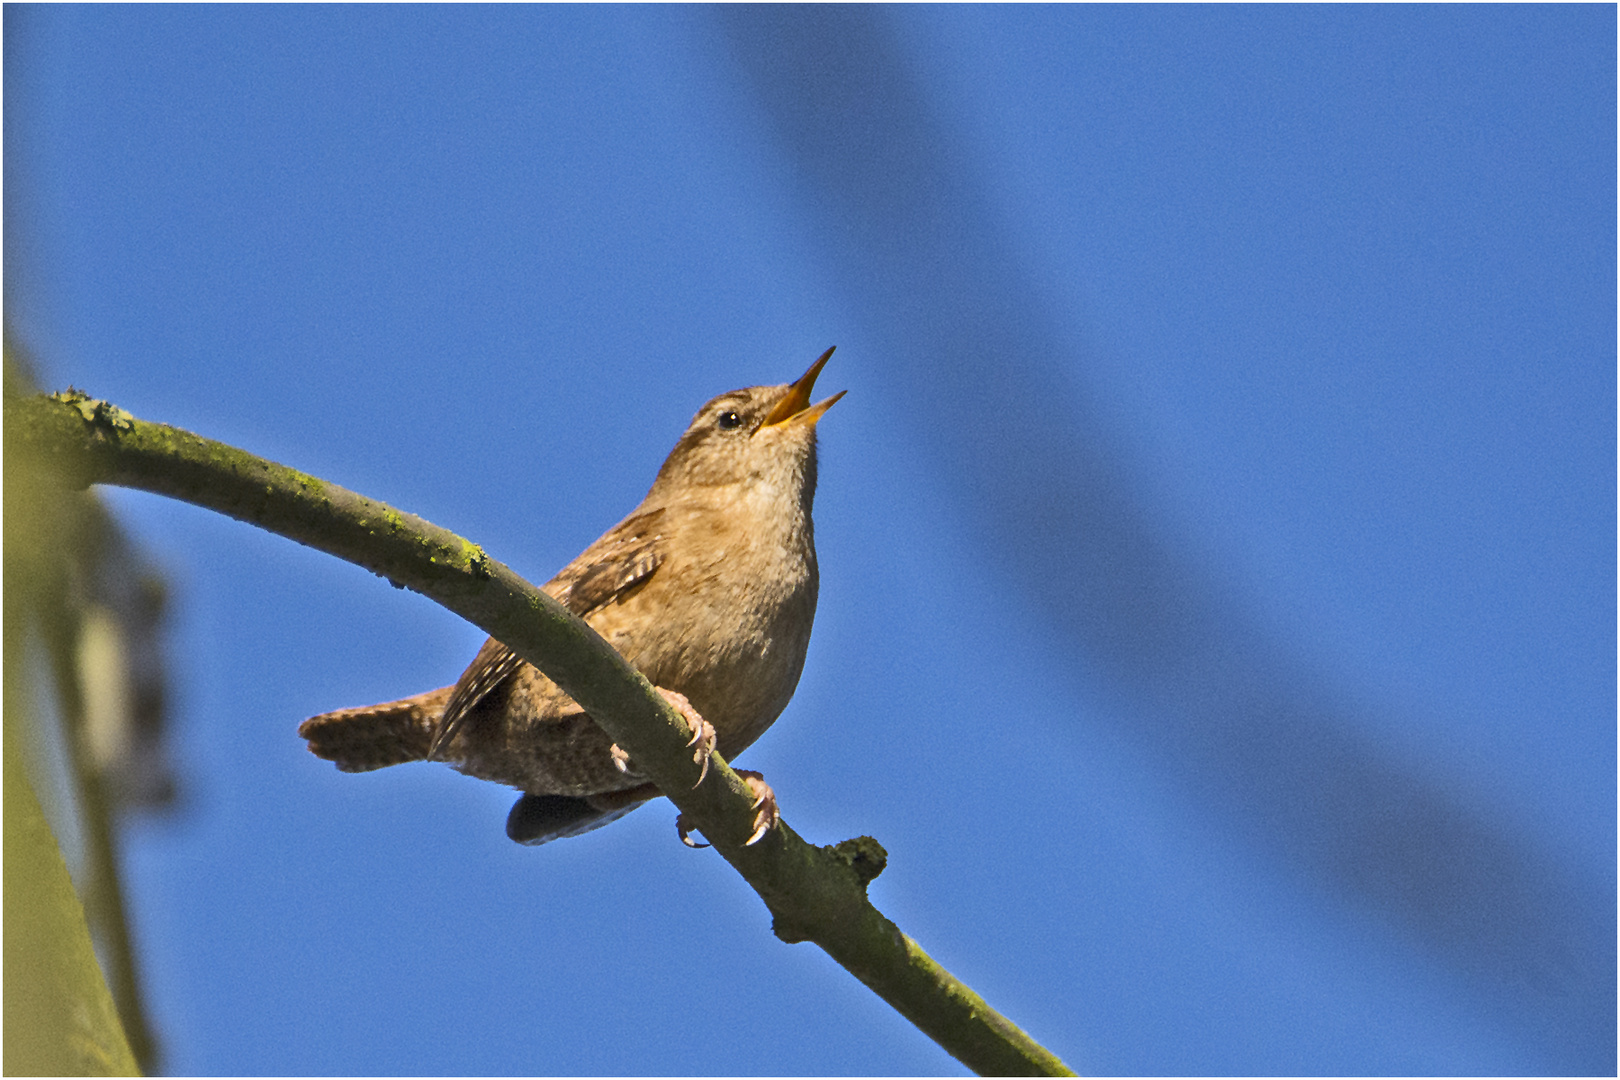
(488, 670)
(622, 559)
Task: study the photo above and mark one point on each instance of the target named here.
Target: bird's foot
(703, 736)
(702, 741)
(766, 812)
(621, 761)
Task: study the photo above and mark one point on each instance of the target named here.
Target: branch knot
(863, 855)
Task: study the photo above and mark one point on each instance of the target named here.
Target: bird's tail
(376, 736)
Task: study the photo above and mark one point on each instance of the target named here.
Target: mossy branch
(815, 894)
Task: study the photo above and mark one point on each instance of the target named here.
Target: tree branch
(815, 894)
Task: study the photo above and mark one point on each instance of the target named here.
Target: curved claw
(703, 736)
(686, 838)
(768, 814)
(621, 760)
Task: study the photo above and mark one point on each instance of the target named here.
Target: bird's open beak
(796, 406)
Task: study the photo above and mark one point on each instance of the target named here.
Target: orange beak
(796, 406)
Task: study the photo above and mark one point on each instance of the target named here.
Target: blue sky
(1217, 621)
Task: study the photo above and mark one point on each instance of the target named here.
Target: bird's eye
(729, 419)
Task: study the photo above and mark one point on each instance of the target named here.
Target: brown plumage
(708, 587)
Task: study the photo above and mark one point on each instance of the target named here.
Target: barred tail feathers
(376, 736)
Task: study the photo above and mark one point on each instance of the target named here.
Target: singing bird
(708, 587)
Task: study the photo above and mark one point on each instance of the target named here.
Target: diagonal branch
(814, 893)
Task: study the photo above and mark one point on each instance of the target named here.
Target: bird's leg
(703, 737)
(766, 813)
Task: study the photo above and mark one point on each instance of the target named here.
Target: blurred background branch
(84, 658)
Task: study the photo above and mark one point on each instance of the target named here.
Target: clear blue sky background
(1218, 539)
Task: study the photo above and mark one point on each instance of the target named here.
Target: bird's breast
(727, 623)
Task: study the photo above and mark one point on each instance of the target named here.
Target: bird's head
(759, 436)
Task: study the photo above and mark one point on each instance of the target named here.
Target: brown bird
(708, 587)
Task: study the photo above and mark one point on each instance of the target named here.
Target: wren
(708, 587)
